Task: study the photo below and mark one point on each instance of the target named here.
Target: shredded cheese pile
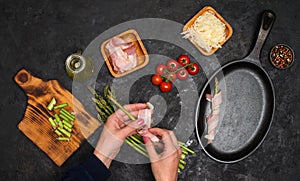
(207, 31)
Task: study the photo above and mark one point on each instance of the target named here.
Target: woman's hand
(117, 127)
(165, 164)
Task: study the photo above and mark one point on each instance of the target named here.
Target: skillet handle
(267, 21)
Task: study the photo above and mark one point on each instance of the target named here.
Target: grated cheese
(207, 31)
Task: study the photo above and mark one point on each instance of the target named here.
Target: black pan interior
(246, 111)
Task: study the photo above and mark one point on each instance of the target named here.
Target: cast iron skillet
(248, 104)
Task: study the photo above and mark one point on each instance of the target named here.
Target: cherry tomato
(161, 69)
(183, 60)
(172, 65)
(156, 79)
(171, 76)
(182, 74)
(165, 86)
(193, 69)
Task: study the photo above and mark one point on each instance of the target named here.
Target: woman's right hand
(164, 165)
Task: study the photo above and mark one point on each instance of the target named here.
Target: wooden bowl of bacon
(124, 53)
(207, 30)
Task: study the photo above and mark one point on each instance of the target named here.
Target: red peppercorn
(281, 56)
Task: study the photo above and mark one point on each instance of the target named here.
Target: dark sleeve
(91, 169)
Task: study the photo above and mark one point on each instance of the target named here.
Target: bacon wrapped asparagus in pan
(212, 119)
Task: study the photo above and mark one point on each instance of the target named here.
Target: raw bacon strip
(123, 54)
(146, 115)
(213, 118)
(146, 133)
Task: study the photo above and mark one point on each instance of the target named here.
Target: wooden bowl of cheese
(207, 30)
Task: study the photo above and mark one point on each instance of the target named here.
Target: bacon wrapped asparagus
(212, 119)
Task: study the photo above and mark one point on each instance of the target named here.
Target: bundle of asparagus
(107, 104)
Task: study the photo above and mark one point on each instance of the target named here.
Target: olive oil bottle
(78, 67)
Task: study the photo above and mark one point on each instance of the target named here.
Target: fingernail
(145, 139)
(140, 122)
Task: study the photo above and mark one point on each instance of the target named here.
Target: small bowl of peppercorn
(282, 56)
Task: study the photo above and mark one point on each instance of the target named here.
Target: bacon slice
(213, 118)
(123, 54)
(146, 114)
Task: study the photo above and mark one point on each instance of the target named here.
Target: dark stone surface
(39, 35)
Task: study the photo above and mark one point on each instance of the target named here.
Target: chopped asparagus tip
(64, 114)
(182, 156)
(182, 162)
(70, 125)
(56, 117)
(181, 166)
(60, 124)
(67, 113)
(51, 104)
(52, 122)
(61, 106)
(184, 152)
(58, 133)
(68, 134)
(122, 108)
(63, 139)
(67, 128)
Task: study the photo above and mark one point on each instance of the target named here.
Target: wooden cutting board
(35, 124)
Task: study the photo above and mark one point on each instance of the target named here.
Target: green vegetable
(216, 86)
(51, 104)
(182, 145)
(108, 91)
(61, 127)
(133, 145)
(67, 128)
(122, 108)
(58, 121)
(66, 114)
(56, 117)
(68, 134)
(70, 125)
(57, 132)
(63, 139)
(181, 166)
(61, 106)
(64, 117)
(52, 122)
(100, 101)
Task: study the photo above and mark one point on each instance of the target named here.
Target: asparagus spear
(122, 108)
(100, 101)
(216, 86)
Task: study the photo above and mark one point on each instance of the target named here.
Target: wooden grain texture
(35, 124)
(142, 55)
